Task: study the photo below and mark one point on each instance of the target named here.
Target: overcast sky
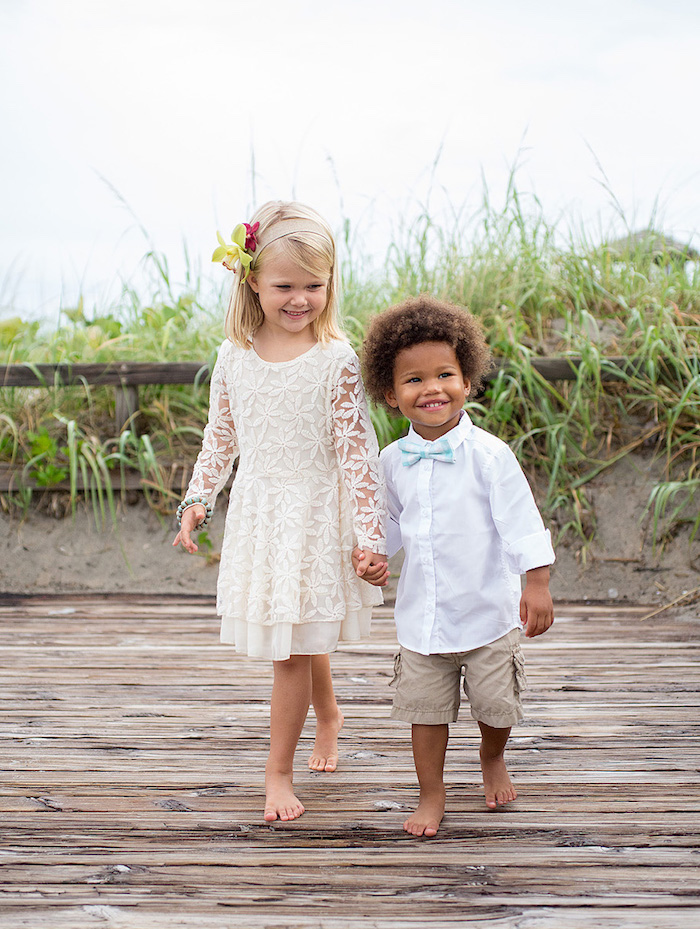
(180, 117)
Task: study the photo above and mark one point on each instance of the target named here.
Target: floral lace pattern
(307, 490)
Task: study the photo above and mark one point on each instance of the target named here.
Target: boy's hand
(536, 607)
(191, 518)
(370, 566)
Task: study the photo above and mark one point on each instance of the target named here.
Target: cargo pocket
(397, 670)
(519, 668)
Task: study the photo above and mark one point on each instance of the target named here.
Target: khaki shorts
(427, 686)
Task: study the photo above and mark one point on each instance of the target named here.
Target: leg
(498, 786)
(289, 704)
(329, 719)
(429, 747)
(493, 680)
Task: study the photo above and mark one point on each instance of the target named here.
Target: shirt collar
(455, 436)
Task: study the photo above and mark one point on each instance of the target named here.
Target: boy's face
(429, 388)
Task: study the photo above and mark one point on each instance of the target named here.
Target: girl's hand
(191, 518)
(371, 567)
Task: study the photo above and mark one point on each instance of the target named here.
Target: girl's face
(291, 298)
(429, 388)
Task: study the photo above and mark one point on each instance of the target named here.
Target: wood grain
(132, 746)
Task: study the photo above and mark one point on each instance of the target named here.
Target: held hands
(536, 607)
(370, 566)
(191, 518)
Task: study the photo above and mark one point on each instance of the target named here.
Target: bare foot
(325, 754)
(498, 786)
(280, 800)
(427, 818)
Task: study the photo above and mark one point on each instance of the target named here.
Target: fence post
(126, 407)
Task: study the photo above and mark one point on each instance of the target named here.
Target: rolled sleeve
(532, 551)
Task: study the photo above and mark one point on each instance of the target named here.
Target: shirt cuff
(532, 551)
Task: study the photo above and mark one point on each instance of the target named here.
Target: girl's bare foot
(280, 800)
(427, 818)
(325, 754)
(498, 786)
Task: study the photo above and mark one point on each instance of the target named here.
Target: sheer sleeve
(219, 445)
(358, 455)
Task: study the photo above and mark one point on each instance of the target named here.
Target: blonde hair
(298, 233)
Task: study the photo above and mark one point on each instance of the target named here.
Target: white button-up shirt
(469, 529)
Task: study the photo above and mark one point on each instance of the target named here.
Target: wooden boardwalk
(132, 746)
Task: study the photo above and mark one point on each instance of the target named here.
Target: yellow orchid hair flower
(241, 250)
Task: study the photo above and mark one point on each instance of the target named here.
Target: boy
(462, 510)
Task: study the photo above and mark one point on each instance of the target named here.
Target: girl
(286, 395)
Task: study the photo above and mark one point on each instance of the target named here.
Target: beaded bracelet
(191, 501)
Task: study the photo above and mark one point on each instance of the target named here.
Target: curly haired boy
(463, 512)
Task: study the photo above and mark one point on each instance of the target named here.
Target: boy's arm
(536, 607)
(527, 544)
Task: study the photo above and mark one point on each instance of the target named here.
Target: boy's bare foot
(498, 786)
(325, 754)
(280, 800)
(427, 818)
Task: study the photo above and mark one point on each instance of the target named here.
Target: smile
(433, 405)
(295, 314)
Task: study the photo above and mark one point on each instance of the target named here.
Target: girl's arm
(358, 455)
(215, 460)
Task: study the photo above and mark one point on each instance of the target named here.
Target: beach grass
(539, 291)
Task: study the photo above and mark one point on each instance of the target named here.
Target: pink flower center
(250, 239)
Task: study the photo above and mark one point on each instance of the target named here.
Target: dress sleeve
(220, 444)
(358, 456)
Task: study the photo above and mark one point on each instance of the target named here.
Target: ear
(467, 386)
(390, 398)
(253, 283)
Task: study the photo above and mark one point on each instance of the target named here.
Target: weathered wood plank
(135, 373)
(119, 373)
(132, 747)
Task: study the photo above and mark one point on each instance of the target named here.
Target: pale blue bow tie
(411, 452)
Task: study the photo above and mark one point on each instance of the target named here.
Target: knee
(294, 665)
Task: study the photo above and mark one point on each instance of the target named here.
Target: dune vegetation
(538, 291)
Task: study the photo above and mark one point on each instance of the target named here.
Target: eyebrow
(450, 366)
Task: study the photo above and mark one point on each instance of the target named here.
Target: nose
(432, 386)
(298, 298)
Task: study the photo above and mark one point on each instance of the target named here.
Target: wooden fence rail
(127, 376)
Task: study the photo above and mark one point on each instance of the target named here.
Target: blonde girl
(287, 399)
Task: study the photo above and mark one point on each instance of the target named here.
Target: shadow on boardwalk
(132, 746)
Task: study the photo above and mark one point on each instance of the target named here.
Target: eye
(413, 380)
(446, 374)
(316, 286)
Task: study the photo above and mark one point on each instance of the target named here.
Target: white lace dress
(308, 489)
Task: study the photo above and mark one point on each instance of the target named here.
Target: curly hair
(416, 320)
